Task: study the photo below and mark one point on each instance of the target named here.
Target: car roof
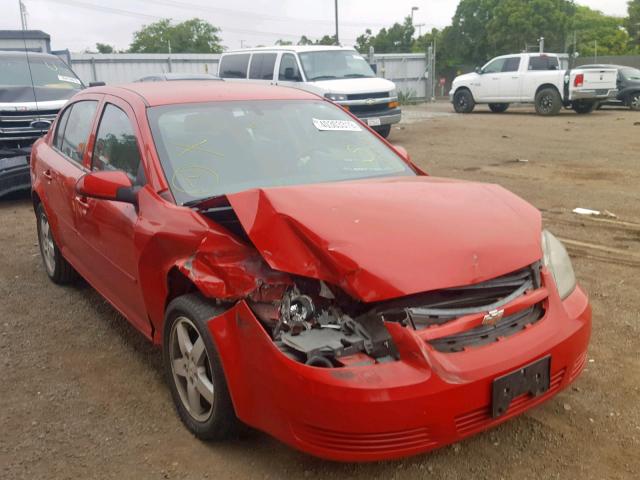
(602, 65)
(187, 91)
(23, 54)
(178, 76)
(291, 48)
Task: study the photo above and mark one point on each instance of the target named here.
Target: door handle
(82, 202)
(47, 174)
(515, 78)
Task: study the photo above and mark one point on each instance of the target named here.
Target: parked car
(33, 88)
(285, 259)
(628, 86)
(535, 78)
(337, 73)
(170, 77)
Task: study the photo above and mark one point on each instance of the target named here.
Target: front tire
(548, 102)
(194, 371)
(384, 131)
(583, 108)
(463, 102)
(57, 268)
(498, 107)
(634, 101)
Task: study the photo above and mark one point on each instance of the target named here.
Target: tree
(283, 42)
(304, 40)
(397, 39)
(190, 36)
(104, 48)
(632, 23)
(592, 26)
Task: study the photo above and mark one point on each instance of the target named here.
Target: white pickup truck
(539, 78)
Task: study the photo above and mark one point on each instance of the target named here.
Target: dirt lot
(83, 395)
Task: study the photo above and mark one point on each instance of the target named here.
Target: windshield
(331, 64)
(46, 72)
(631, 74)
(224, 147)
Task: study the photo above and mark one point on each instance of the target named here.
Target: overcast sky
(79, 24)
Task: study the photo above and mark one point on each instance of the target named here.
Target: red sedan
(301, 275)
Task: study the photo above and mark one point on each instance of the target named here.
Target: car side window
(77, 129)
(495, 66)
(62, 123)
(262, 65)
(234, 66)
(543, 63)
(512, 64)
(116, 147)
(289, 70)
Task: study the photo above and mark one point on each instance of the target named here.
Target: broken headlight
(312, 325)
(557, 260)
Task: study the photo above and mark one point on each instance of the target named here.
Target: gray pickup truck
(33, 89)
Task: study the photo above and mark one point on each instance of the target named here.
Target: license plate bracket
(533, 379)
(374, 122)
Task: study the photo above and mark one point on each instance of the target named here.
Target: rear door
(62, 165)
(262, 67)
(541, 69)
(108, 228)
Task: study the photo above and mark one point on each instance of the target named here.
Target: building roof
(292, 48)
(186, 91)
(26, 34)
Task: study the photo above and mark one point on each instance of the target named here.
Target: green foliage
(104, 48)
(190, 36)
(406, 97)
(396, 39)
(283, 42)
(592, 26)
(632, 24)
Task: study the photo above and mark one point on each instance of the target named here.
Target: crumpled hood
(386, 238)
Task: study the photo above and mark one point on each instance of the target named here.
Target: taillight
(579, 81)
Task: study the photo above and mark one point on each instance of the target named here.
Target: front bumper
(425, 400)
(594, 94)
(14, 174)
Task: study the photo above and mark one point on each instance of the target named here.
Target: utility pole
(595, 52)
(541, 42)
(23, 15)
(337, 37)
(413, 9)
(419, 27)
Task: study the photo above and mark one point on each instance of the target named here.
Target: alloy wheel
(47, 247)
(191, 369)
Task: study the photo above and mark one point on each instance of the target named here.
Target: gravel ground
(83, 394)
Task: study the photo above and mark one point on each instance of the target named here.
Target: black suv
(628, 86)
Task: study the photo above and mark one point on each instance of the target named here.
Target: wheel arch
(464, 87)
(548, 85)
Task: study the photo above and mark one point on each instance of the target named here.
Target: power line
(130, 13)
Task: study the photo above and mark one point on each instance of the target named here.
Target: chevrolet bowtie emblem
(493, 317)
(370, 101)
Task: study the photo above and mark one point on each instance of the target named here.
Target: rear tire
(582, 108)
(634, 101)
(194, 371)
(57, 268)
(384, 131)
(463, 102)
(548, 102)
(498, 107)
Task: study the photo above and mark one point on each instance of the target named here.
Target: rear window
(234, 66)
(262, 65)
(543, 63)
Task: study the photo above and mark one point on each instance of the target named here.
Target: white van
(337, 73)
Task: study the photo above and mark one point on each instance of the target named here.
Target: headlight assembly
(557, 260)
(336, 97)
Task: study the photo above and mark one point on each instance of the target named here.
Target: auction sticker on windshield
(336, 125)
(64, 78)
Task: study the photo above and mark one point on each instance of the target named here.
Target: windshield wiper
(194, 203)
(357, 75)
(323, 77)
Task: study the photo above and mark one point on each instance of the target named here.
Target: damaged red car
(301, 275)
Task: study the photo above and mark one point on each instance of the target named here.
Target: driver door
(108, 228)
(289, 73)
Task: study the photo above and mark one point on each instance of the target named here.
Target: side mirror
(107, 185)
(403, 152)
(478, 70)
